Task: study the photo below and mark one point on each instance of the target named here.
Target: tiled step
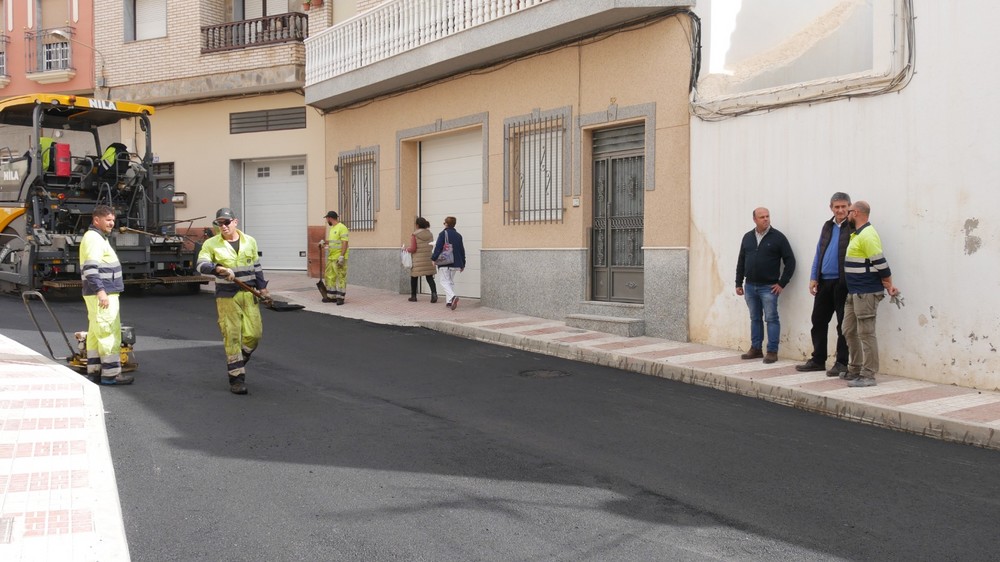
(626, 327)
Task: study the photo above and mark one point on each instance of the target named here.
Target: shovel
(268, 301)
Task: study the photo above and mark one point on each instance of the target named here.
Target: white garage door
(274, 203)
(451, 184)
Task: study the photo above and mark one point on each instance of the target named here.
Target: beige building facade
(566, 166)
(231, 128)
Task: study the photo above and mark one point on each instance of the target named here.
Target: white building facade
(902, 113)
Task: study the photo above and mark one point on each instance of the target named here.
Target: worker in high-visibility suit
(335, 276)
(231, 255)
(101, 273)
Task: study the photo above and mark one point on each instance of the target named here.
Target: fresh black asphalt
(366, 442)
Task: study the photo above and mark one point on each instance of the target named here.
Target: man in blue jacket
(828, 286)
(762, 253)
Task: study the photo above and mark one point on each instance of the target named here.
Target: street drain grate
(543, 374)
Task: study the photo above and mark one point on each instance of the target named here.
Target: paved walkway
(59, 500)
(58, 495)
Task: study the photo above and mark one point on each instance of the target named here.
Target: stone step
(625, 327)
(617, 309)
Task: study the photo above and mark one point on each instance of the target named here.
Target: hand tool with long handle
(278, 306)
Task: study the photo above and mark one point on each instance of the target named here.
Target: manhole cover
(543, 374)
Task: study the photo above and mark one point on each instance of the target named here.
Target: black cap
(224, 213)
(332, 215)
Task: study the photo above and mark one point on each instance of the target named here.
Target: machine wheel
(11, 245)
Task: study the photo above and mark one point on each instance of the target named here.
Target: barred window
(264, 172)
(535, 167)
(56, 56)
(298, 169)
(358, 188)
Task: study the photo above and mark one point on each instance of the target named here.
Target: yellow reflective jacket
(245, 264)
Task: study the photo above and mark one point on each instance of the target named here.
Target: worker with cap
(335, 275)
(232, 255)
(101, 273)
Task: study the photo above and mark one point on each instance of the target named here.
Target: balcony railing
(271, 30)
(45, 52)
(397, 27)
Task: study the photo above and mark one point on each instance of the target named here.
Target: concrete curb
(873, 414)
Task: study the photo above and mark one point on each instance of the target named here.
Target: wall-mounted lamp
(102, 81)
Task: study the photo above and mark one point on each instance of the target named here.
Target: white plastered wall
(925, 158)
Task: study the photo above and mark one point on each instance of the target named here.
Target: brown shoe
(771, 357)
(237, 385)
(752, 353)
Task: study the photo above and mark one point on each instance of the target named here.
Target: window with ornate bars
(535, 166)
(358, 188)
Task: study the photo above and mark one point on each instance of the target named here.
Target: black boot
(434, 298)
(237, 384)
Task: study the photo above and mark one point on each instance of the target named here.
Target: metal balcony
(407, 42)
(270, 30)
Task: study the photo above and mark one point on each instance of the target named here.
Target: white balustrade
(397, 27)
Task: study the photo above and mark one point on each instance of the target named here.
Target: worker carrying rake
(232, 257)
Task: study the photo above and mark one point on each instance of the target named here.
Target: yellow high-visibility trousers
(335, 278)
(241, 326)
(104, 337)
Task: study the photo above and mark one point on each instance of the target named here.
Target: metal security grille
(617, 236)
(358, 180)
(267, 120)
(162, 169)
(534, 175)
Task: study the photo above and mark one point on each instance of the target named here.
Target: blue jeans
(763, 305)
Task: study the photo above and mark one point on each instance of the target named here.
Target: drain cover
(543, 374)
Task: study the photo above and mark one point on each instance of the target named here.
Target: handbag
(447, 255)
(405, 258)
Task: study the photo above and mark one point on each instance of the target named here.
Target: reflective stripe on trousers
(335, 279)
(240, 323)
(104, 336)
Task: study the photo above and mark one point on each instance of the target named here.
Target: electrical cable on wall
(833, 90)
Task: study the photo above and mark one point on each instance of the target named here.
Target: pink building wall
(17, 21)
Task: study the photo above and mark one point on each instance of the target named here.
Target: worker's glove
(226, 273)
(897, 300)
(340, 260)
(264, 294)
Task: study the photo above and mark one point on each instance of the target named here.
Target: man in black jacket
(829, 287)
(762, 253)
